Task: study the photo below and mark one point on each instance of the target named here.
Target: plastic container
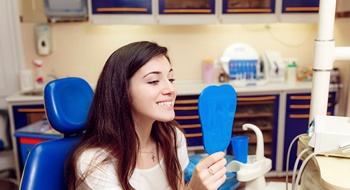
(208, 70)
(240, 148)
(292, 73)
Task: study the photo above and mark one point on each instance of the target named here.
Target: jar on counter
(292, 73)
(208, 70)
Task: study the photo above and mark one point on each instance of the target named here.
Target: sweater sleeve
(102, 176)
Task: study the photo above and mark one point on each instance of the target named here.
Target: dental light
(325, 128)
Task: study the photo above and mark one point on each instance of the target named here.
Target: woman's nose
(169, 88)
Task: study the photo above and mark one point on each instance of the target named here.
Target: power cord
(288, 155)
(296, 166)
(302, 168)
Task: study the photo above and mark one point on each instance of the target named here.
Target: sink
(33, 93)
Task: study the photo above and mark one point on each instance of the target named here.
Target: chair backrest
(67, 102)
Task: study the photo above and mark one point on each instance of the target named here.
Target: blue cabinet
(187, 12)
(26, 114)
(261, 111)
(121, 7)
(297, 121)
(244, 7)
(237, 11)
(300, 6)
(186, 7)
(299, 11)
(186, 114)
(121, 12)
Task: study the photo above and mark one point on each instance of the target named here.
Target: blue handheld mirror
(217, 107)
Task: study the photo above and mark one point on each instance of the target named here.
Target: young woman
(131, 140)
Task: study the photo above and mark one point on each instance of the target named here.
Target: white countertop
(191, 88)
(195, 88)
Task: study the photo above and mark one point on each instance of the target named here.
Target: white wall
(80, 49)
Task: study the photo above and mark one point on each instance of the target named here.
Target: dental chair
(67, 102)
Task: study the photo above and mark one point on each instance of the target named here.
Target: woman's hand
(209, 173)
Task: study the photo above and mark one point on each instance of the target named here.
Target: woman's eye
(171, 80)
(154, 82)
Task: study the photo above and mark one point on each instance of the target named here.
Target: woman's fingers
(210, 160)
(211, 170)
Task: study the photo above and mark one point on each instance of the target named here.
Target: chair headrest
(67, 102)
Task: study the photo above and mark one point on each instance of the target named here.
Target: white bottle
(291, 73)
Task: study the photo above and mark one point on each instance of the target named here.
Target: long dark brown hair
(110, 123)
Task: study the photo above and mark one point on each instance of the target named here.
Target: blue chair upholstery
(67, 102)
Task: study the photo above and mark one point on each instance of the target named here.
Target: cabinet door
(250, 11)
(187, 7)
(121, 7)
(261, 111)
(300, 6)
(300, 11)
(121, 12)
(27, 114)
(187, 12)
(33, 11)
(250, 6)
(296, 123)
(186, 114)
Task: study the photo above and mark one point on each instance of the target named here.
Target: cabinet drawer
(27, 114)
(300, 103)
(186, 114)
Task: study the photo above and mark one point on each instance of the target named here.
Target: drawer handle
(186, 101)
(299, 116)
(302, 116)
(304, 97)
(31, 110)
(295, 9)
(299, 106)
(304, 106)
(193, 135)
(256, 98)
(185, 108)
(121, 9)
(186, 117)
(187, 11)
(300, 97)
(191, 126)
(249, 10)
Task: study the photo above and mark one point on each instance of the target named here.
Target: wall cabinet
(121, 12)
(248, 11)
(299, 11)
(297, 121)
(33, 11)
(261, 111)
(300, 6)
(23, 114)
(185, 12)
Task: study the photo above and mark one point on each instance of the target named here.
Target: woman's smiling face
(152, 91)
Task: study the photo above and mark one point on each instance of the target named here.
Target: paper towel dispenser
(66, 10)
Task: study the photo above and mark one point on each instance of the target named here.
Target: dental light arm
(325, 54)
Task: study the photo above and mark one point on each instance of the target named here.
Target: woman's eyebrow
(153, 72)
(156, 73)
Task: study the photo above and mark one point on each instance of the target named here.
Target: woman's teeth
(165, 103)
